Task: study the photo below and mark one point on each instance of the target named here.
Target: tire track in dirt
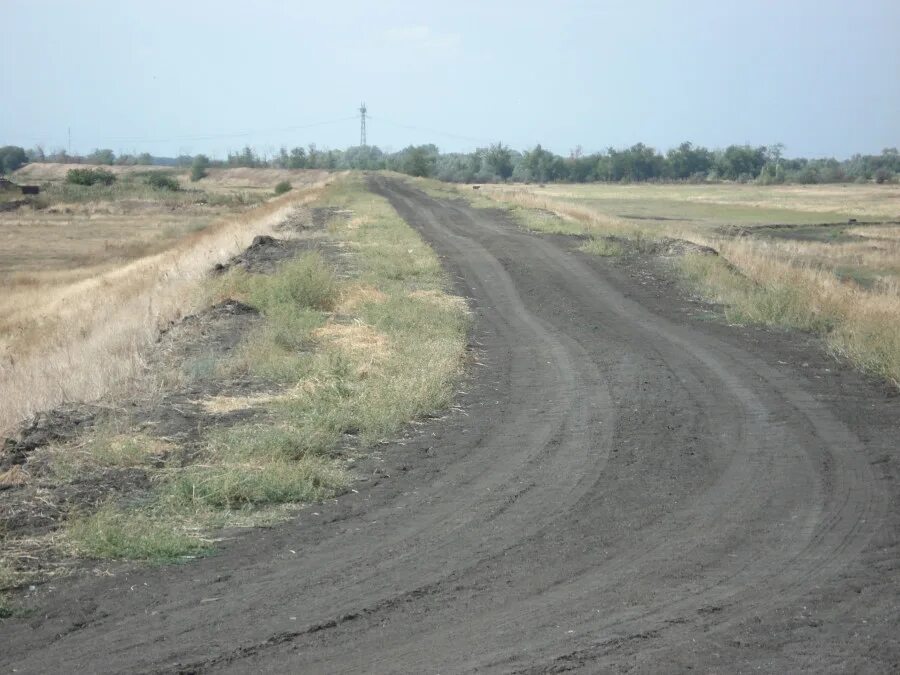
(624, 491)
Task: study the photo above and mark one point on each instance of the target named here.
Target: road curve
(622, 490)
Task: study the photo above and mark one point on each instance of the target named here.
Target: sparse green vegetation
(132, 533)
(855, 325)
(162, 181)
(602, 246)
(90, 177)
(256, 481)
(199, 165)
(357, 355)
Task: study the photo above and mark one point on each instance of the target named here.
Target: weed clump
(282, 187)
(264, 482)
(161, 181)
(602, 246)
(90, 177)
(120, 534)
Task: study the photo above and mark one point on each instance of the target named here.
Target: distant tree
(419, 160)
(741, 162)
(145, 159)
(498, 160)
(687, 160)
(296, 159)
(36, 154)
(199, 165)
(11, 158)
(542, 165)
(637, 163)
(365, 157)
(245, 158)
(312, 155)
(101, 156)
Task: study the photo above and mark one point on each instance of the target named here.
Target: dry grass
(355, 296)
(840, 281)
(77, 330)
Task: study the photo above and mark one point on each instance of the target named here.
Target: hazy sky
(821, 76)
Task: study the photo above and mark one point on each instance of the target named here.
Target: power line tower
(362, 124)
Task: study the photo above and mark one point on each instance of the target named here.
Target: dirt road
(624, 487)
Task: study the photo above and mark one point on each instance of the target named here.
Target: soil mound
(261, 257)
(53, 426)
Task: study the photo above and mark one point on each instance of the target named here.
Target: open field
(622, 483)
(789, 256)
(90, 274)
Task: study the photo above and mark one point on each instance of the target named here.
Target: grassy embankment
(356, 356)
(815, 271)
(91, 275)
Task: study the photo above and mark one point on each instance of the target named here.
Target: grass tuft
(235, 486)
(602, 246)
(132, 534)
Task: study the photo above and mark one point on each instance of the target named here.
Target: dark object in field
(852, 221)
(6, 184)
(476, 187)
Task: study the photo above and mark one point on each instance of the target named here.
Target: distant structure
(362, 124)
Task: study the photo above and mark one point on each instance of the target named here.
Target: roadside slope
(627, 488)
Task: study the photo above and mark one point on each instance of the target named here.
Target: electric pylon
(362, 124)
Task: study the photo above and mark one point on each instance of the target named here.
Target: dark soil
(628, 485)
(54, 426)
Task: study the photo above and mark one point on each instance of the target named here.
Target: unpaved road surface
(625, 487)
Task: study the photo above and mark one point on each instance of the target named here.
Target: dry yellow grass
(77, 332)
(846, 288)
(356, 295)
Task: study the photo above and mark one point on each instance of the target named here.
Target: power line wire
(430, 131)
(240, 134)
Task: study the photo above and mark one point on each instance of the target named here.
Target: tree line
(498, 163)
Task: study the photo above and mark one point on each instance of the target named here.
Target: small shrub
(883, 175)
(199, 167)
(283, 187)
(307, 281)
(161, 181)
(90, 177)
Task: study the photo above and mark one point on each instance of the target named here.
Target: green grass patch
(250, 484)
(351, 375)
(133, 534)
(602, 246)
(293, 302)
(544, 221)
